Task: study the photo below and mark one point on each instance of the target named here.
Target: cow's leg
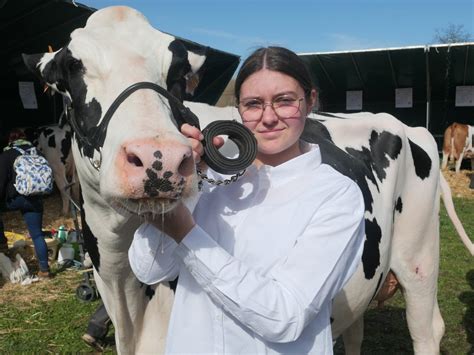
(417, 271)
(444, 163)
(353, 337)
(438, 323)
(76, 187)
(459, 162)
(61, 182)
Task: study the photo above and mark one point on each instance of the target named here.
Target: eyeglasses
(284, 107)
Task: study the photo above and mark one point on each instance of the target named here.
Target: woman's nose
(269, 115)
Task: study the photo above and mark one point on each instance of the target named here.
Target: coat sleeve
(151, 255)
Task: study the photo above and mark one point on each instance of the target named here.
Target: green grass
(46, 317)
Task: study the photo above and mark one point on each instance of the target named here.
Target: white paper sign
(464, 96)
(27, 94)
(404, 98)
(354, 100)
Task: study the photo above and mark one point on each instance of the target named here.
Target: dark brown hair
(15, 134)
(277, 59)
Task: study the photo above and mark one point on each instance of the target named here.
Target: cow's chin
(145, 208)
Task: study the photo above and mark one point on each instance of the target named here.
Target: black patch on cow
(174, 284)
(379, 282)
(47, 132)
(157, 165)
(371, 253)
(149, 292)
(421, 160)
(154, 184)
(66, 146)
(352, 167)
(52, 141)
(157, 154)
(90, 242)
(67, 73)
(359, 165)
(381, 145)
(179, 67)
(399, 205)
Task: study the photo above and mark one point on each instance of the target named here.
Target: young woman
(261, 259)
(31, 207)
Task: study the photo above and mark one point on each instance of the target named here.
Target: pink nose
(151, 168)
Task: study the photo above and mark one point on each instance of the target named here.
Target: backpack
(34, 176)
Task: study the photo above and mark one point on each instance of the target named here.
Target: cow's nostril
(186, 167)
(133, 159)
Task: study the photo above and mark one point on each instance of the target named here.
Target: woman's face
(277, 134)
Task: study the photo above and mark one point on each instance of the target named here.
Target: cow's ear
(44, 66)
(186, 69)
(194, 76)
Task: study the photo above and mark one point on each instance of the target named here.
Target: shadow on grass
(468, 319)
(385, 332)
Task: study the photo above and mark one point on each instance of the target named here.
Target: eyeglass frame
(264, 105)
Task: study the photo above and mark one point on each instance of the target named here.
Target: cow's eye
(74, 65)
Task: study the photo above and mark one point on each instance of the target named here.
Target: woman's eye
(253, 104)
(284, 100)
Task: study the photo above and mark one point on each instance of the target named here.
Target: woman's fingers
(218, 141)
(194, 136)
(191, 132)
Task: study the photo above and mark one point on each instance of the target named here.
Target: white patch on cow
(192, 78)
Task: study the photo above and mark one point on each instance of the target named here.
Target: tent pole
(428, 87)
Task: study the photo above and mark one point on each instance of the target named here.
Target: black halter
(236, 132)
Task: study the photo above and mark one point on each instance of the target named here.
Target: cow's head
(146, 162)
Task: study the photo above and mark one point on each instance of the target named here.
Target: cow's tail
(448, 203)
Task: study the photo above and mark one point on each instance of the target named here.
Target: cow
(457, 145)
(54, 142)
(135, 162)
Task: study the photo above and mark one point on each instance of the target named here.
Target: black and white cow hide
(146, 165)
(54, 142)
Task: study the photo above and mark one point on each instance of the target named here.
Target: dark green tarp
(432, 71)
(29, 26)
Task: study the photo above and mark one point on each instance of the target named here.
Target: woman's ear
(312, 102)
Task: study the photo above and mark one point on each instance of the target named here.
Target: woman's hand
(195, 137)
(177, 223)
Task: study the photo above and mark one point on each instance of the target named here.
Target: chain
(211, 181)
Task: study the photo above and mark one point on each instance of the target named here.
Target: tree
(452, 34)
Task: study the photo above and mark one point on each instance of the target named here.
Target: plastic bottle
(62, 234)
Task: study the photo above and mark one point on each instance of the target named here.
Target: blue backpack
(34, 176)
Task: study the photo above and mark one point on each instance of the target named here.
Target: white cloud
(344, 42)
(229, 36)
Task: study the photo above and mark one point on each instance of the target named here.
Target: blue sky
(241, 26)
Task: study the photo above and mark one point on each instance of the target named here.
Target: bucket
(66, 253)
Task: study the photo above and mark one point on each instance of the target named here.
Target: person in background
(31, 207)
(97, 329)
(259, 260)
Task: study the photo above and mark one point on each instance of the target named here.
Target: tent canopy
(433, 72)
(30, 26)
